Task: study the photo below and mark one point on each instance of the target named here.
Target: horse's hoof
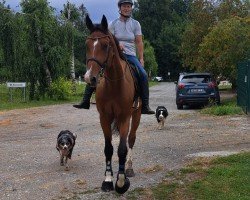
(130, 172)
(107, 186)
(123, 189)
(66, 168)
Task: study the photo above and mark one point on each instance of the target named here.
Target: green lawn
(225, 178)
(19, 103)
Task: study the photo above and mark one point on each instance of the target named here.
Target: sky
(96, 8)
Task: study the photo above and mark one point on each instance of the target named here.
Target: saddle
(135, 73)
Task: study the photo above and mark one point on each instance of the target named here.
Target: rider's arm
(140, 48)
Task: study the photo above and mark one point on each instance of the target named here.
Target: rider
(128, 33)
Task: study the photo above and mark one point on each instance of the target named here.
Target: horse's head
(97, 50)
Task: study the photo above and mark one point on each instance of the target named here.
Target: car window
(196, 79)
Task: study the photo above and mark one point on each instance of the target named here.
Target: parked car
(157, 78)
(196, 89)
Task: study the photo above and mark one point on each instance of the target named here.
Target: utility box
(243, 86)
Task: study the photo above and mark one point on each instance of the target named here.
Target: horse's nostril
(93, 80)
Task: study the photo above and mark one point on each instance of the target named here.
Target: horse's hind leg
(131, 141)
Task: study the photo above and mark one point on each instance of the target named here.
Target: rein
(105, 63)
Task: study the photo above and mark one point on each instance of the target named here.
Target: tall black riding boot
(145, 99)
(85, 104)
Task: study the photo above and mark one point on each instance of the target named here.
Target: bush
(228, 107)
(60, 89)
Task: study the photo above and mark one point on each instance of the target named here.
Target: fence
(243, 86)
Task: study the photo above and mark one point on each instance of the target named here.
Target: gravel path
(30, 169)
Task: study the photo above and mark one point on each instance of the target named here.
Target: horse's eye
(105, 46)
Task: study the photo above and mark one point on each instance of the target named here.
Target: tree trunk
(44, 62)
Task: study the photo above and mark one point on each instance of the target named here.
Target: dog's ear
(75, 136)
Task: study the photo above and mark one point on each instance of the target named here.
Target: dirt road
(30, 169)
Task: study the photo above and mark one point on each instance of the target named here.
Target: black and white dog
(65, 144)
(161, 114)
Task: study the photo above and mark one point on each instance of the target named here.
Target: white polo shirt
(125, 32)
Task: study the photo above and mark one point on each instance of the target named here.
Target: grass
(227, 107)
(19, 103)
(224, 178)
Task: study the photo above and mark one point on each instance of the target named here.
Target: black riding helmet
(120, 2)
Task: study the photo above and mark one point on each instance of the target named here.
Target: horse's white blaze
(121, 180)
(95, 43)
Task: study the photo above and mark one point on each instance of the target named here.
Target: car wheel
(179, 106)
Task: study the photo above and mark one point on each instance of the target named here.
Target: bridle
(105, 63)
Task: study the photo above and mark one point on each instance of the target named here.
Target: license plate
(196, 90)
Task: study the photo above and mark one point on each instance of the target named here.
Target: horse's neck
(117, 68)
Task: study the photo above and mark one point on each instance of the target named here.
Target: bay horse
(109, 72)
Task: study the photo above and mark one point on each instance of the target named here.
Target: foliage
(227, 107)
(149, 57)
(224, 46)
(168, 19)
(17, 103)
(35, 45)
(200, 18)
(216, 37)
(60, 89)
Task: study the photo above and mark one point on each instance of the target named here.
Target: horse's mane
(118, 48)
(98, 27)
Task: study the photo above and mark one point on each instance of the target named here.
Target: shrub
(60, 89)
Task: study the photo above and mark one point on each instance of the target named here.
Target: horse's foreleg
(122, 182)
(107, 185)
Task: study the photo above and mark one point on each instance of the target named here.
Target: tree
(200, 18)
(74, 19)
(226, 44)
(150, 61)
(162, 24)
(41, 23)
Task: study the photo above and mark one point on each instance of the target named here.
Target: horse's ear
(89, 23)
(104, 23)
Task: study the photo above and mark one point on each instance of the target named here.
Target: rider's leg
(85, 104)
(143, 83)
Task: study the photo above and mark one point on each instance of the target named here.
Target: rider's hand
(142, 61)
(121, 46)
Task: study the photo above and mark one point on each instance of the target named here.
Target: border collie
(161, 114)
(65, 144)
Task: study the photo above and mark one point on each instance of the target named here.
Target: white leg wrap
(121, 180)
(109, 177)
